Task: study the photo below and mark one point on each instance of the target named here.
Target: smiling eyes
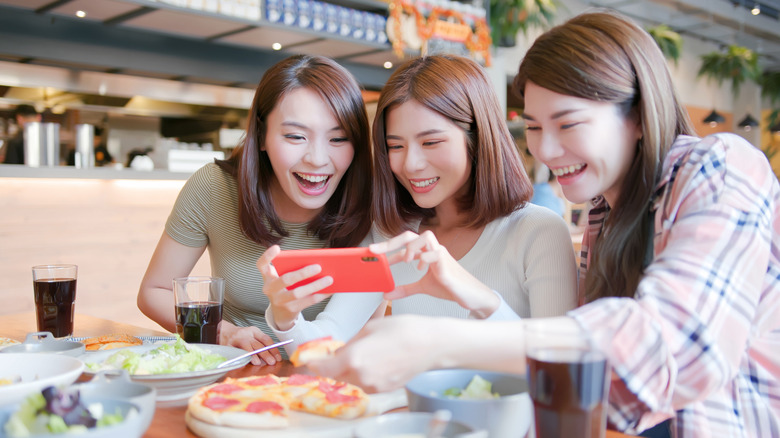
(424, 144)
(298, 137)
(564, 126)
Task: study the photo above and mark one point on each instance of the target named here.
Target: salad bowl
(173, 387)
(29, 373)
(504, 411)
(130, 427)
(116, 384)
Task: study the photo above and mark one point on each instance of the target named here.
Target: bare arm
(170, 260)
(378, 358)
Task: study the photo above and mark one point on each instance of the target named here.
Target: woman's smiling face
(588, 145)
(309, 153)
(428, 153)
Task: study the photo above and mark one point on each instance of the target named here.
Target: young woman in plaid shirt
(680, 270)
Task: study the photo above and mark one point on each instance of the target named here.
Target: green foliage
(737, 65)
(772, 148)
(770, 87)
(508, 17)
(669, 41)
(773, 119)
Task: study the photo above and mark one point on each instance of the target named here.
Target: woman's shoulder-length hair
(344, 220)
(458, 89)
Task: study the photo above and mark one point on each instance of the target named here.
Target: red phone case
(352, 269)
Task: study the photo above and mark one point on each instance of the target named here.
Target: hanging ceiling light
(714, 118)
(756, 9)
(748, 123)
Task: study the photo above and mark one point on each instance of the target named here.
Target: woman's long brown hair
(456, 88)
(345, 219)
(605, 57)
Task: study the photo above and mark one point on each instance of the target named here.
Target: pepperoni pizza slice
(314, 350)
(335, 399)
(265, 402)
(235, 403)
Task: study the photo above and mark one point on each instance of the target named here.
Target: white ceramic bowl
(131, 427)
(509, 415)
(45, 342)
(36, 371)
(174, 389)
(411, 424)
(116, 384)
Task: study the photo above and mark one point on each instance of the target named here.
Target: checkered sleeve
(683, 338)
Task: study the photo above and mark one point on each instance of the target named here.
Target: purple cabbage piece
(67, 404)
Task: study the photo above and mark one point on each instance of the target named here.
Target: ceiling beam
(52, 37)
(50, 6)
(113, 21)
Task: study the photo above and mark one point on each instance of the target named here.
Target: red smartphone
(352, 269)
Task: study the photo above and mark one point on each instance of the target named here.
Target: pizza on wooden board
(265, 402)
(314, 350)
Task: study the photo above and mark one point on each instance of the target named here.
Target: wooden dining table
(168, 421)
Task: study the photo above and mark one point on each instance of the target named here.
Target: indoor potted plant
(737, 64)
(669, 41)
(508, 17)
(770, 90)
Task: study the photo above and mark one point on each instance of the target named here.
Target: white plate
(37, 371)
(303, 424)
(173, 389)
(146, 340)
(7, 342)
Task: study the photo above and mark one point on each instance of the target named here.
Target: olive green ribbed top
(206, 214)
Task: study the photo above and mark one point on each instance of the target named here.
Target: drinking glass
(54, 289)
(568, 383)
(199, 308)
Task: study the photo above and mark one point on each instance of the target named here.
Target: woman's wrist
(484, 304)
(453, 350)
(226, 330)
(283, 324)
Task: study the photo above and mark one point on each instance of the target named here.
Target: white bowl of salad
(22, 374)
(484, 400)
(56, 411)
(175, 370)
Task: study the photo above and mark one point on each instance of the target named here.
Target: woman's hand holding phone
(288, 304)
(445, 277)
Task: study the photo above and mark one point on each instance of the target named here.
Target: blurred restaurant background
(164, 87)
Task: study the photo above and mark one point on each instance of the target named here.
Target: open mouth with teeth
(424, 183)
(569, 171)
(311, 181)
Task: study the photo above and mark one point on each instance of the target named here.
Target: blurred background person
(102, 156)
(14, 152)
(546, 190)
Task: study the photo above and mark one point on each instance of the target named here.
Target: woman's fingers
(252, 338)
(264, 262)
(393, 244)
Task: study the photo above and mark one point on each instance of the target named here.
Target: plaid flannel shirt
(700, 340)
